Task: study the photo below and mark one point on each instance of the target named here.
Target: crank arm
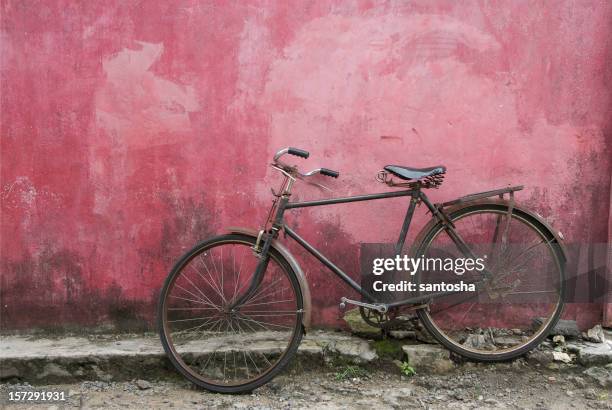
(378, 307)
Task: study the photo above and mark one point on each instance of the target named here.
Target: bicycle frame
(416, 194)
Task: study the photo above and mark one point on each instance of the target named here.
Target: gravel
(471, 387)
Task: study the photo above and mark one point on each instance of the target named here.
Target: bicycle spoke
(198, 290)
(263, 290)
(262, 322)
(248, 353)
(263, 355)
(463, 318)
(238, 277)
(186, 320)
(272, 314)
(266, 303)
(191, 300)
(210, 283)
(532, 292)
(531, 249)
(195, 327)
(263, 297)
(221, 250)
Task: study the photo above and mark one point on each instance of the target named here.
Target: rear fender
(452, 209)
(294, 265)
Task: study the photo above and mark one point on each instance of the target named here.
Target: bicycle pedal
(378, 307)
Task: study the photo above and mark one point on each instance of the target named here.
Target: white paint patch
(139, 107)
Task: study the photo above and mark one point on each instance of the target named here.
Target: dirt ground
(477, 387)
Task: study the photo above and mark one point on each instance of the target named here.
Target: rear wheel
(225, 349)
(516, 306)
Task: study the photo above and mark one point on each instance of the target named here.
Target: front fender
(294, 265)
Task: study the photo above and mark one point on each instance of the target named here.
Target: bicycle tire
(493, 206)
(166, 341)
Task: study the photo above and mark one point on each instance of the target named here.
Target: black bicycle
(233, 310)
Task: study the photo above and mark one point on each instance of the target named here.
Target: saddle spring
(433, 181)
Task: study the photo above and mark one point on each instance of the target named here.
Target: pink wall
(130, 130)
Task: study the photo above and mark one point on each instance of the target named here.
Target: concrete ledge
(40, 360)
(107, 358)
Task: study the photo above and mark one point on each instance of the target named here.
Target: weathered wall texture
(130, 130)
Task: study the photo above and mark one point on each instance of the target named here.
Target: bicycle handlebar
(291, 151)
(303, 154)
(329, 173)
(298, 152)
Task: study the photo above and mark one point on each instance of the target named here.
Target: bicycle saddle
(414, 173)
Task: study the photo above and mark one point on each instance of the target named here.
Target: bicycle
(233, 309)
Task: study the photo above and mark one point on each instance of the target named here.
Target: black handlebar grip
(298, 152)
(329, 173)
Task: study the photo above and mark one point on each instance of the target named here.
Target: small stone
(430, 358)
(357, 325)
(602, 375)
(398, 397)
(578, 381)
(561, 357)
(540, 356)
(594, 354)
(422, 335)
(590, 394)
(101, 374)
(403, 334)
(7, 372)
(567, 328)
(570, 393)
(475, 341)
(552, 379)
(594, 334)
(459, 395)
(559, 339)
(143, 384)
(54, 371)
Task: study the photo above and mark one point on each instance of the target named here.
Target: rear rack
(481, 195)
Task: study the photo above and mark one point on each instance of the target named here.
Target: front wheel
(218, 346)
(519, 294)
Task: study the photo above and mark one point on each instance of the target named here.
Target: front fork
(264, 242)
(264, 257)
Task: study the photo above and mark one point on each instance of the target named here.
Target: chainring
(386, 321)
